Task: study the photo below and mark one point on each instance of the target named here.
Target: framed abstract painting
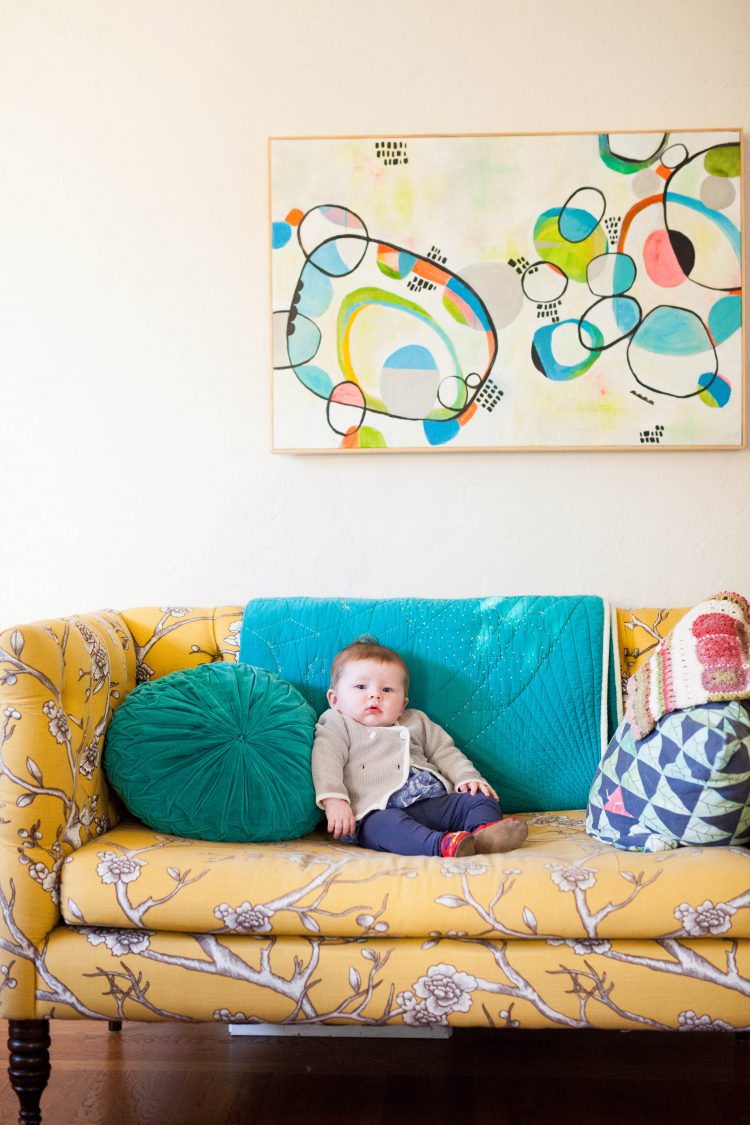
(562, 291)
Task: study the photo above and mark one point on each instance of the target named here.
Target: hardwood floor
(199, 1075)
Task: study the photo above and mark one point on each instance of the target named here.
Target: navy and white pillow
(686, 783)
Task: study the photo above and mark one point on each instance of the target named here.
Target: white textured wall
(134, 344)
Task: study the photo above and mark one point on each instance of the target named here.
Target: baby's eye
(360, 687)
(387, 689)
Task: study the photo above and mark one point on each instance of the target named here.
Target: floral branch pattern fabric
(102, 918)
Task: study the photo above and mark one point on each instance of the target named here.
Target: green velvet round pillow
(218, 752)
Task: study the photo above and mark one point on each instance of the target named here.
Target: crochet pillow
(704, 659)
(217, 752)
(688, 782)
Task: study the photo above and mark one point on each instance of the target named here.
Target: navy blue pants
(419, 828)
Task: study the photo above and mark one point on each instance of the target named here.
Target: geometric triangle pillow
(686, 783)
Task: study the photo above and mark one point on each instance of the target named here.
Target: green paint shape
(370, 438)
(388, 270)
(724, 160)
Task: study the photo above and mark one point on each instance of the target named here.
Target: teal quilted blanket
(519, 683)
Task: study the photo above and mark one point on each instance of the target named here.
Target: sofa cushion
(520, 683)
(559, 884)
(688, 782)
(218, 752)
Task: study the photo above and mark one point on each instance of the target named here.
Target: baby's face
(370, 693)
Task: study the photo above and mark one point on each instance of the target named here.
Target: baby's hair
(367, 648)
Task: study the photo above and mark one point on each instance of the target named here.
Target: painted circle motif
(571, 257)
(543, 282)
(582, 213)
(333, 238)
(672, 353)
(668, 258)
(674, 156)
(629, 153)
(453, 393)
(610, 275)
(639, 148)
(718, 193)
(647, 182)
(558, 352)
(614, 317)
(346, 408)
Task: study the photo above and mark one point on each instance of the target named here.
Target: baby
(391, 779)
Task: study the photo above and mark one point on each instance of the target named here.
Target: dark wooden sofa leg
(29, 1066)
(115, 1025)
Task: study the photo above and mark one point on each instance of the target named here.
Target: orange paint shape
(467, 414)
(430, 272)
(635, 210)
(295, 216)
(350, 440)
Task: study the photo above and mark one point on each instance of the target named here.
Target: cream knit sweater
(365, 765)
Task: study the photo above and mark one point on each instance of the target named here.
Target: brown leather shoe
(500, 836)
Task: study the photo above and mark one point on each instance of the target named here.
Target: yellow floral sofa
(103, 918)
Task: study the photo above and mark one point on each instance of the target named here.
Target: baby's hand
(340, 817)
(478, 786)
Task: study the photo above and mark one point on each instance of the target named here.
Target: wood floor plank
(177, 1074)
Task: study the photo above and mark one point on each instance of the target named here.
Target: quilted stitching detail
(517, 682)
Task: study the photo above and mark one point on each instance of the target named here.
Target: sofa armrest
(59, 683)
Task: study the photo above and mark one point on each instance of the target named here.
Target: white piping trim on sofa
(618, 666)
(603, 705)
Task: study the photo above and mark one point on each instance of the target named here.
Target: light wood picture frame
(507, 292)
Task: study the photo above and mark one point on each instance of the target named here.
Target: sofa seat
(561, 884)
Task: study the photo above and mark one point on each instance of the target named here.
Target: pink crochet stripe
(705, 658)
(668, 702)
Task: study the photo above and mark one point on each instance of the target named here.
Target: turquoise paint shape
(315, 379)
(716, 387)
(406, 263)
(304, 342)
(316, 292)
(624, 273)
(725, 318)
(412, 357)
(672, 331)
(627, 313)
(438, 433)
(327, 258)
(280, 235)
(576, 225)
